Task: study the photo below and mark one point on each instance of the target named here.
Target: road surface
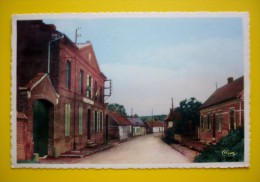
(147, 149)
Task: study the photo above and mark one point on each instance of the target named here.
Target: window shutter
(80, 120)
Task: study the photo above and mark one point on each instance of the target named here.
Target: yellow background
(9, 7)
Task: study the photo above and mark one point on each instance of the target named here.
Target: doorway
(106, 128)
(42, 122)
(88, 124)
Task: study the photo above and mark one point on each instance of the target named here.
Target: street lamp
(49, 50)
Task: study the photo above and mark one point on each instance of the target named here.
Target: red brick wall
(24, 142)
(206, 135)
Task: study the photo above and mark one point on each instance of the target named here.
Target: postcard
(130, 90)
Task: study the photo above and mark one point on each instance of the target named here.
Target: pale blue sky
(151, 60)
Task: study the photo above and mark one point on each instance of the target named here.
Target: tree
(189, 109)
(117, 108)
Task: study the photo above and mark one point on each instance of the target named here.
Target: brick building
(222, 111)
(60, 88)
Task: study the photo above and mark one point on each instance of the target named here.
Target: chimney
(230, 80)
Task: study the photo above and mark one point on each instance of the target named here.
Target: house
(138, 126)
(119, 126)
(60, 89)
(222, 111)
(171, 119)
(154, 126)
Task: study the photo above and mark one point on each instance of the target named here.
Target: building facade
(138, 126)
(119, 127)
(60, 88)
(222, 111)
(154, 126)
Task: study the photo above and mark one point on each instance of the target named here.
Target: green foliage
(189, 110)
(117, 108)
(229, 149)
(169, 136)
(179, 127)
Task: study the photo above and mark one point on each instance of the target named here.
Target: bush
(169, 135)
(229, 149)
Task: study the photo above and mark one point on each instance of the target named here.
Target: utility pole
(172, 105)
(75, 92)
(77, 35)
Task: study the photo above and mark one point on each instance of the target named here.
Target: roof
(154, 123)
(36, 80)
(21, 115)
(226, 93)
(120, 119)
(173, 115)
(136, 121)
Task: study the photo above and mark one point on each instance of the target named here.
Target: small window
(80, 120)
(89, 86)
(67, 119)
(201, 122)
(208, 121)
(101, 121)
(81, 74)
(96, 91)
(68, 74)
(101, 97)
(219, 121)
(232, 119)
(95, 121)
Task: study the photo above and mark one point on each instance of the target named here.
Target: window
(219, 121)
(101, 94)
(201, 122)
(208, 121)
(205, 122)
(96, 90)
(81, 82)
(80, 120)
(232, 119)
(68, 74)
(95, 121)
(67, 119)
(101, 121)
(89, 86)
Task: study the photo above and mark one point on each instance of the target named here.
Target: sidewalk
(191, 154)
(189, 147)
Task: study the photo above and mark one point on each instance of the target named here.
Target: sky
(151, 60)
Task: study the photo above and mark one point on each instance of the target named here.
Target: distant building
(222, 111)
(119, 127)
(138, 126)
(171, 119)
(60, 89)
(154, 126)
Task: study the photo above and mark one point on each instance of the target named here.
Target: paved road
(139, 150)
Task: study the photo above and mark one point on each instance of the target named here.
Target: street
(139, 150)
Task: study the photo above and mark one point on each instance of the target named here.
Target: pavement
(75, 156)
(191, 154)
(146, 149)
